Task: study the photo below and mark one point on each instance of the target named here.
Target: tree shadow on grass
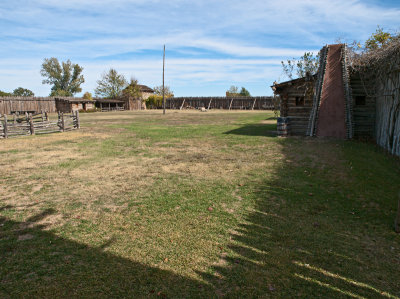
(267, 130)
(37, 263)
(310, 234)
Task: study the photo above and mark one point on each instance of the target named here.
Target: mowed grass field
(196, 205)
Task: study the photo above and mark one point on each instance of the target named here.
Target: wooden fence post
(31, 127)
(397, 220)
(5, 126)
(46, 116)
(209, 103)
(62, 122)
(230, 105)
(78, 123)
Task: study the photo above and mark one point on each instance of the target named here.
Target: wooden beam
(254, 103)
(183, 102)
(230, 105)
(209, 103)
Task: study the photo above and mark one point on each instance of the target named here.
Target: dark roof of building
(144, 88)
(293, 82)
(109, 101)
(73, 100)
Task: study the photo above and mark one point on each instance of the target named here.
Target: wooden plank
(209, 103)
(5, 126)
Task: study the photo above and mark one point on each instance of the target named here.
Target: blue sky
(210, 45)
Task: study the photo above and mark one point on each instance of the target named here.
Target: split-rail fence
(31, 124)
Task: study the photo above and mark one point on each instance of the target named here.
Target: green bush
(154, 102)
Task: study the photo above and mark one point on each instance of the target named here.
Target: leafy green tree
(378, 39)
(233, 91)
(244, 92)
(5, 94)
(111, 85)
(133, 89)
(65, 79)
(168, 93)
(306, 64)
(23, 92)
(87, 96)
(154, 101)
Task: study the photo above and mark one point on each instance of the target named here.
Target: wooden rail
(107, 109)
(32, 124)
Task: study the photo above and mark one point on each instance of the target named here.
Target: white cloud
(242, 41)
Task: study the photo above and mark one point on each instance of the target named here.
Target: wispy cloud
(230, 42)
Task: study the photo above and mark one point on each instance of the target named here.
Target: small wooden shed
(70, 104)
(110, 104)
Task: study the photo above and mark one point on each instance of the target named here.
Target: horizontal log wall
(297, 115)
(363, 115)
(229, 103)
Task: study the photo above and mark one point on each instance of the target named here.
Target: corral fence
(115, 108)
(30, 124)
(228, 103)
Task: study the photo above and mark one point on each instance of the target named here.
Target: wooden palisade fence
(31, 124)
(228, 103)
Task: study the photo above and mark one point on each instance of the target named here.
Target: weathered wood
(182, 104)
(209, 103)
(31, 126)
(62, 122)
(5, 126)
(230, 105)
(261, 103)
(78, 123)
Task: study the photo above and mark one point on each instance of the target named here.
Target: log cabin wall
(298, 110)
(364, 108)
(295, 104)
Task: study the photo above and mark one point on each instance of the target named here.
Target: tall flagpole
(163, 70)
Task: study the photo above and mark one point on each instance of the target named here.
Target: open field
(191, 204)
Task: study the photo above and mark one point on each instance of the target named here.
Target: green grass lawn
(196, 205)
